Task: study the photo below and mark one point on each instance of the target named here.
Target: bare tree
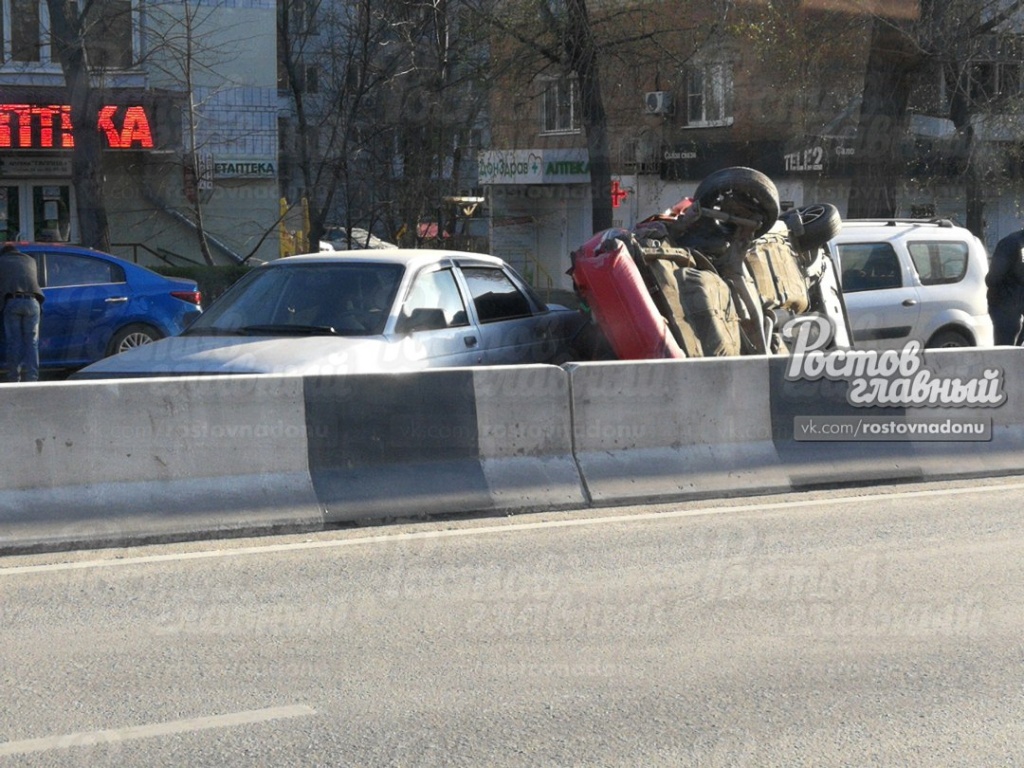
(581, 56)
(946, 36)
(69, 24)
(382, 109)
(180, 51)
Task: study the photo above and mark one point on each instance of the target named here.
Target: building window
(25, 19)
(561, 110)
(109, 37)
(995, 81)
(709, 95)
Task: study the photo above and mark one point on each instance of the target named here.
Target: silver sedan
(363, 312)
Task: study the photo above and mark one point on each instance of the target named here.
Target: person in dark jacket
(1005, 281)
(22, 301)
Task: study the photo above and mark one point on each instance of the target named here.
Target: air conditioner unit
(658, 103)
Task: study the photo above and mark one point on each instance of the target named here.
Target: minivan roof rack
(939, 222)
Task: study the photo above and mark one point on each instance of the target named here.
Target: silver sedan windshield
(296, 299)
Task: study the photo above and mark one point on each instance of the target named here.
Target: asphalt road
(878, 627)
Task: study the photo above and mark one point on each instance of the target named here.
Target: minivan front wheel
(132, 336)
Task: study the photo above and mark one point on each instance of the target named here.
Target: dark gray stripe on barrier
(814, 463)
(394, 445)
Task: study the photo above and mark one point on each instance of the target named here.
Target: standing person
(22, 299)
(1005, 281)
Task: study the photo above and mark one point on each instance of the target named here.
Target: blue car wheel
(132, 336)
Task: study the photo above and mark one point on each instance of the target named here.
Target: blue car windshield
(305, 299)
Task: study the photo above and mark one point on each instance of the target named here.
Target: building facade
(184, 98)
(757, 92)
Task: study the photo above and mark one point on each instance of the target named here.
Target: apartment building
(777, 93)
(170, 81)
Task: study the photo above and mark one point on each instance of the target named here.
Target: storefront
(149, 196)
(540, 209)
(37, 198)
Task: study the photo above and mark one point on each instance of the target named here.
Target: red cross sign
(618, 194)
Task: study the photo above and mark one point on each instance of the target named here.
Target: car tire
(948, 339)
(747, 188)
(132, 336)
(813, 225)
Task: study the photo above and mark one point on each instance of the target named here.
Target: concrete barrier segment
(875, 442)
(129, 514)
(394, 445)
(665, 430)
(959, 455)
(443, 441)
(151, 454)
(525, 438)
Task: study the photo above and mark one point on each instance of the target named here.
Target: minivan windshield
(305, 299)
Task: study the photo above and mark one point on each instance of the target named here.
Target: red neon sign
(30, 126)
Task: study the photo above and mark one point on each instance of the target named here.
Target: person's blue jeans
(21, 335)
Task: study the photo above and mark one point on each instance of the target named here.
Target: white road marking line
(91, 738)
(508, 528)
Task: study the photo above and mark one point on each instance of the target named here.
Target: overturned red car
(718, 274)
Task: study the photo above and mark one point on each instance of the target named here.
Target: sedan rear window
(66, 269)
(495, 296)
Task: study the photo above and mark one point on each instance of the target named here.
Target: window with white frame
(560, 106)
(25, 37)
(709, 94)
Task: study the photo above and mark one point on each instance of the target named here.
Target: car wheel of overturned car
(813, 225)
(948, 339)
(745, 189)
(132, 336)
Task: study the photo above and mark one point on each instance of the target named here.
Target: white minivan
(913, 279)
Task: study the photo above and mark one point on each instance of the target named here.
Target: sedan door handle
(910, 302)
(117, 300)
(469, 341)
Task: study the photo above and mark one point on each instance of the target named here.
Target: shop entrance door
(39, 211)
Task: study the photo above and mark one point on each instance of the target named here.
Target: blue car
(98, 305)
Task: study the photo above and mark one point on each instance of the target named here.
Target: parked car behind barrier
(97, 305)
(363, 312)
(913, 279)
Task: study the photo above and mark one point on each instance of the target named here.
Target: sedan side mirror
(422, 319)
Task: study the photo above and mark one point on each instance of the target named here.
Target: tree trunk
(579, 46)
(975, 201)
(878, 162)
(87, 155)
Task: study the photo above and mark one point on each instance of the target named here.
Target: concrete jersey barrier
(112, 462)
(96, 463)
(663, 430)
(887, 455)
(447, 440)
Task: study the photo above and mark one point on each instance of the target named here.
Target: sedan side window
(64, 269)
(495, 296)
(434, 302)
(869, 267)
